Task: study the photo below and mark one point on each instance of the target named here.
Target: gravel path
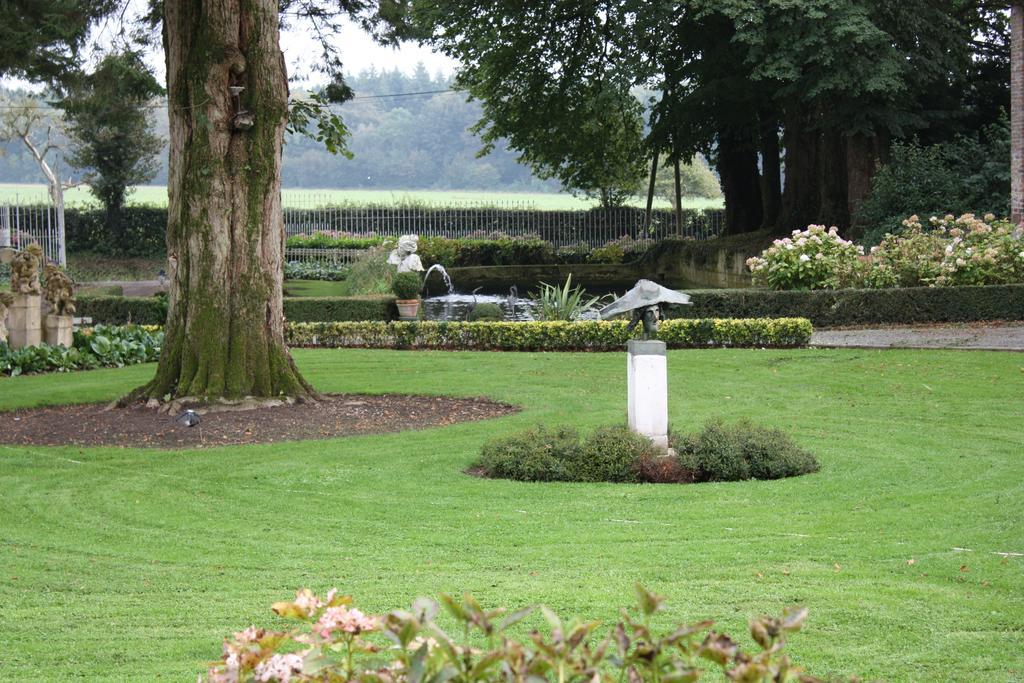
(985, 336)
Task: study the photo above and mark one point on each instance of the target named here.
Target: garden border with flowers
(940, 252)
(335, 641)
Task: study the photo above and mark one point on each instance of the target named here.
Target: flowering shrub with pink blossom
(950, 251)
(947, 251)
(336, 642)
(909, 259)
(815, 258)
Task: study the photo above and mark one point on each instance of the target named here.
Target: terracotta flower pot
(408, 309)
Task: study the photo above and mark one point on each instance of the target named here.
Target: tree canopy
(40, 40)
(111, 129)
(821, 86)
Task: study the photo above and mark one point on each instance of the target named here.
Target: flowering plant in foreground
(334, 641)
(815, 258)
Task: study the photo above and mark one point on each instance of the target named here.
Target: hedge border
(824, 308)
(120, 310)
(851, 307)
(586, 335)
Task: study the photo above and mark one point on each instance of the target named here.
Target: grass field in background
(122, 564)
(157, 195)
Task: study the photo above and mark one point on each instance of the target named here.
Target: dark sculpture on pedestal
(645, 302)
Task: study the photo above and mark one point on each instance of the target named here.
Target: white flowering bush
(335, 642)
(949, 251)
(946, 251)
(815, 258)
(911, 258)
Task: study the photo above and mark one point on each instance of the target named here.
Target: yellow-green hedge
(591, 335)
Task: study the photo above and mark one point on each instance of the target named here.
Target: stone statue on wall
(25, 270)
(404, 255)
(60, 291)
(6, 299)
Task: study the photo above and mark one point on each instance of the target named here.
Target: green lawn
(313, 288)
(157, 195)
(122, 564)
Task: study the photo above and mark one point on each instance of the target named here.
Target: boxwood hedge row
(153, 310)
(846, 307)
(586, 335)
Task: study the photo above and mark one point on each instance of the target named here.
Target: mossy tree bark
(224, 337)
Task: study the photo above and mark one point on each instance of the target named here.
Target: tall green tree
(229, 109)
(111, 129)
(40, 40)
(819, 87)
(1017, 114)
(549, 80)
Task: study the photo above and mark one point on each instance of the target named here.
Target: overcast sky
(358, 52)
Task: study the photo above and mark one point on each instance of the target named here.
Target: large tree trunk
(817, 189)
(864, 155)
(1017, 112)
(741, 184)
(771, 168)
(225, 327)
(833, 206)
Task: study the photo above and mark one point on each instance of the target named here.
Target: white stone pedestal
(647, 392)
(24, 321)
(59, 330)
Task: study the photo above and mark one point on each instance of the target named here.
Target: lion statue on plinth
(6, 299)
(60, 291)
(25, 270)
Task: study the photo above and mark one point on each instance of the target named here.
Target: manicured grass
(88, 267)
(313, 288)
(126, 564)
(157, 195)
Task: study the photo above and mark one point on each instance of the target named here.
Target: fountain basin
(456, 307)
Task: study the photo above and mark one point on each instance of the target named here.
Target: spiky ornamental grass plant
(563, 302)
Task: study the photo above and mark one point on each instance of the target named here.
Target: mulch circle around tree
(333, 416)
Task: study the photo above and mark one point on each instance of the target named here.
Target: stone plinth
(647, 390)
(24, 321)
(59, 330)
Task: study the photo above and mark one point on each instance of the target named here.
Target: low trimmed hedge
(340, 308)
(587, 335)
(118, 310)
(843, 307)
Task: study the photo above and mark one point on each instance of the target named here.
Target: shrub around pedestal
(719, 452)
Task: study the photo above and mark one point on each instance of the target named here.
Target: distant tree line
(398, 140)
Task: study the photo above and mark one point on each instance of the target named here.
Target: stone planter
(408, 309)
(59, 330)
(25, 324)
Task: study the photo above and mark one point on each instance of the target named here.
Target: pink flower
(307, 602)
(249, 635)
(279, 668)
(341, 619)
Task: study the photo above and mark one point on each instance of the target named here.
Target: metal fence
(593, 227)
(22, 224)
(332, 257)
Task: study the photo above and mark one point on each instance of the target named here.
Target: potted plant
(406, 287)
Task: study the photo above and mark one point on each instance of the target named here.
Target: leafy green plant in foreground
(337, 642)
(99, 346)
